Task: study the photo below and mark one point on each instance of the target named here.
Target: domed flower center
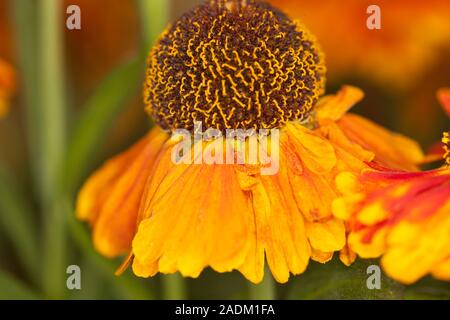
(233, 64)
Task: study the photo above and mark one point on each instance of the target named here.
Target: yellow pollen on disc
(446, 142)
(233, 64)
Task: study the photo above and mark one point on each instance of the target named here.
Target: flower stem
(174, 287)
(52, 142)
(154, 16)
(263, 291)
(23, 13)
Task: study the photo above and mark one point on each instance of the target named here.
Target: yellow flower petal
(391, 149)
(335, 106)
(326, 236)
(110, 198)
(316, 153)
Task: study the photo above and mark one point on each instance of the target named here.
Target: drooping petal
(391, 149)
(213, 228)
(110, 199)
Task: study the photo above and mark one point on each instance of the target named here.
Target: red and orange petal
(412, 37)
(7, 86)
(403, 217)
(110, 198)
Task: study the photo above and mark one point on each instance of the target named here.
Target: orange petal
(110, 199)
(321, 257)
(442, 270)
(315, 152)
(326, 236)
(444, 99)
(391, 149)
(335, 106)
(347, 255)
(281, 230)
(213, 228)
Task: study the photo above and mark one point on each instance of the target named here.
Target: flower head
(401, 216)
(192, 213)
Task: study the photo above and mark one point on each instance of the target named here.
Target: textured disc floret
(233, 64)
(446, 142)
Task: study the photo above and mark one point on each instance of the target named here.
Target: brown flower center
(233, 64)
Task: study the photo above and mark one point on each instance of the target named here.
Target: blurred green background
(77, 101)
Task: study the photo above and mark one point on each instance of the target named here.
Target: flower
(401, 216)
(189, 214)
(413, 37)
(7, 86)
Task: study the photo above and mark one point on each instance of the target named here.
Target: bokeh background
(74, 100)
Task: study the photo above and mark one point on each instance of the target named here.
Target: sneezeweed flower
(401, 216)
(7, 86)
(235, 65)
(414, 36)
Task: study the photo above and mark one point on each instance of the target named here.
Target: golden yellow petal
(326, 236)
(416, 248)
(442, 270)
(97, 189)
(214, 227)
(391, 149)
(372, 213)
(116, 222)
(373, 249)
(333, 107)
(315, 152)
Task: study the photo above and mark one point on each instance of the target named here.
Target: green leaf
(336, 281)
(13, 289)
(17, 223)
(23, 14)
(428, 288)
(97, 117)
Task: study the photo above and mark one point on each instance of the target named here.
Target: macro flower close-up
(224, 150)
(234, 216)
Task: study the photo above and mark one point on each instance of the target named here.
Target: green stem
(174, 287)
(154, 16)
(52, 142)
(266, 290)
(23, 13)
